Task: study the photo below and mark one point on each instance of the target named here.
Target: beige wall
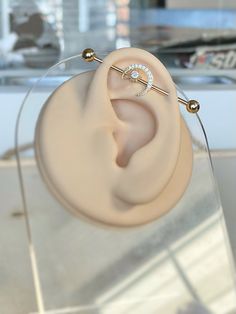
(201, 4)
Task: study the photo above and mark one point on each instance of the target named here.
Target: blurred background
(186, 34)
(196, 41)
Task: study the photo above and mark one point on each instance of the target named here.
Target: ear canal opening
(136, 129)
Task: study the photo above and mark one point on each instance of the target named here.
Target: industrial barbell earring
(135, 73)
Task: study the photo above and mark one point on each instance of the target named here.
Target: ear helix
(192, 105)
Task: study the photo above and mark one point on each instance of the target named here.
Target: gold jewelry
(133, 73)
(89, 55)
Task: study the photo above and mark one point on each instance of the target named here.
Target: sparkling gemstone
(134, 74)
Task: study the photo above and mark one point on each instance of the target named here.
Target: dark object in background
(28, 32)
(37, 39)
(189, 47)
(141, 4)
(161, 3)
(209, 52)
(33, 25)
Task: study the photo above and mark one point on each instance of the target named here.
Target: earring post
(192, 105)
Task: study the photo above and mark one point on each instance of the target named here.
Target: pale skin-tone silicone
(109, 155)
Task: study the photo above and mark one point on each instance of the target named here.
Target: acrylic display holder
(178, 264)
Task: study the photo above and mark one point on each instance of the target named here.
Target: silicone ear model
(109, 155)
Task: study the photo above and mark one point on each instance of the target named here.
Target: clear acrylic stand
(178, 264)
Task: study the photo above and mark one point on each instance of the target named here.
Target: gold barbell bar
(192, 105)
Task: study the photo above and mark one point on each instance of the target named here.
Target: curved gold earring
(192, 105)
(134, 72)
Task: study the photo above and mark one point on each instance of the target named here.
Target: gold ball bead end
(193, 106)
(88, 54)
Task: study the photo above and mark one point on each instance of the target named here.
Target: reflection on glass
(185, 273)
(179, 264)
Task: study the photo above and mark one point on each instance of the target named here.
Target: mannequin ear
(146, 129)
(137, 129)
(109, 155)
